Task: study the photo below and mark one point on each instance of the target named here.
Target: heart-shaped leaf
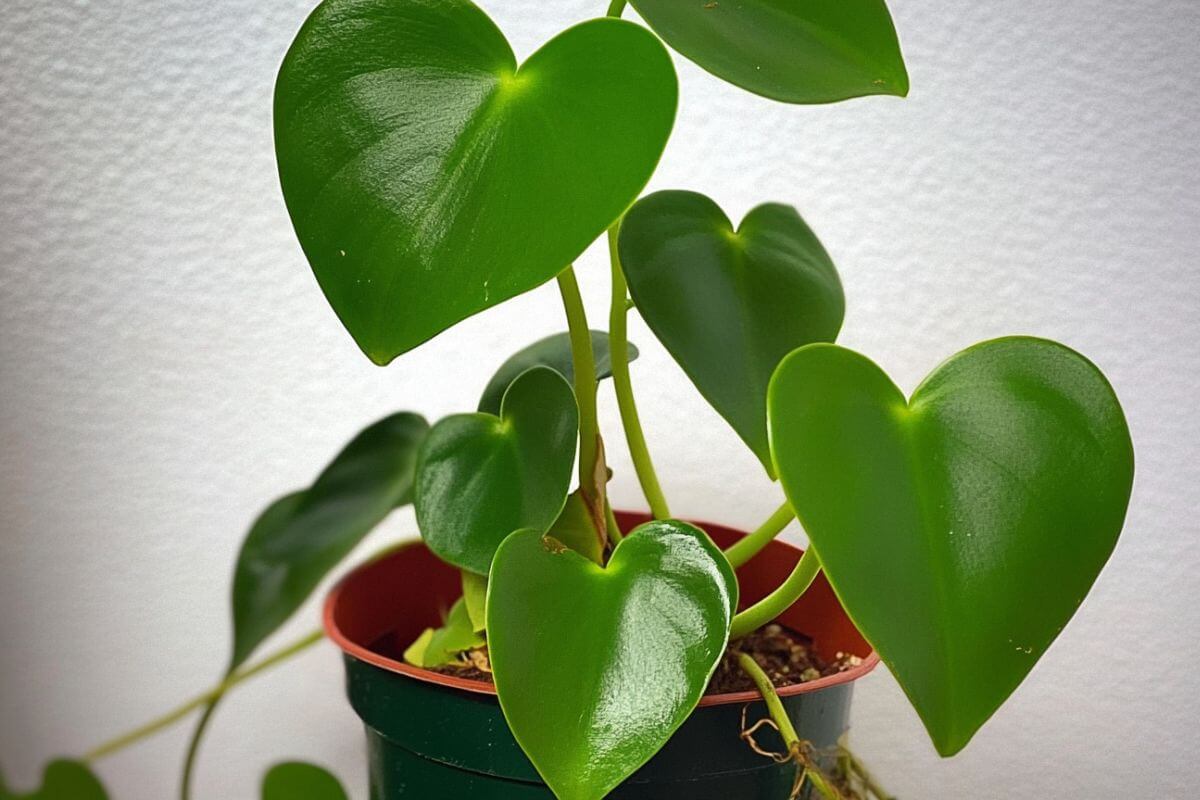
(730, 304)
(438, 646)
(554, 352)
(960, 529)
(429, 178)
(597, 666)
(296, 780)
(63, 780)
(816, 51)
(480, 477)
(301, 536)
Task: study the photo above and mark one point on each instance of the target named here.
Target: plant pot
(438, 736)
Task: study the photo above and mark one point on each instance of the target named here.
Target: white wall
(168, 365)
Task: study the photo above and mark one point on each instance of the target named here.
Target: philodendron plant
(430, 176)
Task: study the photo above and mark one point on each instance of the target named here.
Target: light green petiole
(779, 600)
(584, 362)
(619, 350)
(741, 552)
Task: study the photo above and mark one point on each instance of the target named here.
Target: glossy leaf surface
(815, 51)
(295, 780)
(63, 779)
(301, 536)
(554, 352)
(438, 646)
(597, 666)
(428, 177)
(480, 477)
(730, 304)
(962, 528)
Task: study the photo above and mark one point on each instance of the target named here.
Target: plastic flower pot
(438, 736)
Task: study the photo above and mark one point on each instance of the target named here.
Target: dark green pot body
(431, 741)
(432, 736)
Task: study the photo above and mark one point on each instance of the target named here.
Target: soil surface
(786, 657)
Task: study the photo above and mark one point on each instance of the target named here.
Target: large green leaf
(597, 666)
(428, 177)
(554, 352)
(730, 303)
(960, 529)
(63, 780)
(302, 536)
(480, 477)
(296, 780)
(797, 51)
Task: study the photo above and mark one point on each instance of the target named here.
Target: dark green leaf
(480, 477)
(63, 780)
(960, 529)
(302, 536)
(438, 646)
(597, 666)
(554, 352)
(429, 178)
(816, 51)
(298, 781)
(730, 304)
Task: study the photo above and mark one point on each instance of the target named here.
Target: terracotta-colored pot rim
(368, 656)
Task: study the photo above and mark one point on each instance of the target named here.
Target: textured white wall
(168, 365)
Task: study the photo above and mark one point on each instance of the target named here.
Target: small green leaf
(295, 780)
(729, 303)
(962, 528)
(302, 536)
(480, 477)
(597, 666)
(576, 528)
(63, 779)
(438, 646)
(816, 51)
(475, 597)
(429, 177)
(554, 352)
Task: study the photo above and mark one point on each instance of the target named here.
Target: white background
(168, 365)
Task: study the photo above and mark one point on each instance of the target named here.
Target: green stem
(786, 730)
(771, 698)
(214, 697)
(742, 551)
(616, 8)
(193, 749)
(868, 781)
(779, 600)
(175, 715)
(584, 363)
(614, 529)
(619, 352)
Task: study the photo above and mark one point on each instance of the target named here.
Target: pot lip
(366, 655)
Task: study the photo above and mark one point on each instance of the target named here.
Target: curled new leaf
(302, 536)
(438, 646)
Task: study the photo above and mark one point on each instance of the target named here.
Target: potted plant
(538, 642)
